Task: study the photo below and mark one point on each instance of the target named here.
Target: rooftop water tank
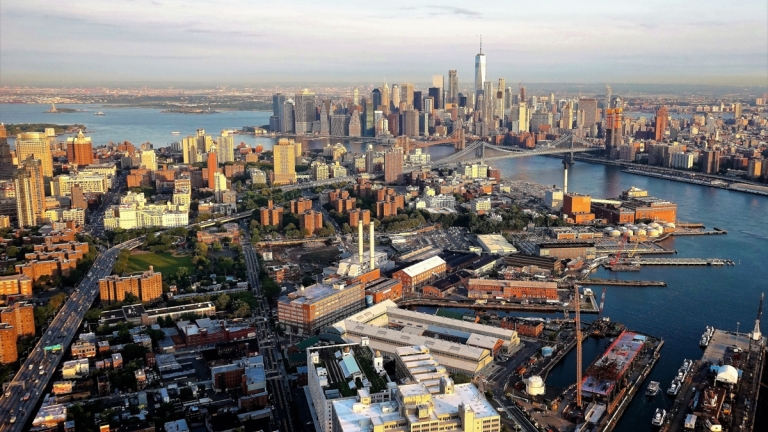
(547, 351)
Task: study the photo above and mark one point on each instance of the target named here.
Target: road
(269, 343)
(37, 369)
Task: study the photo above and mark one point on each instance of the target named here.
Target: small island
(15, 129)
(190, 111)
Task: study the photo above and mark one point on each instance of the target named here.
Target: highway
(22, 394)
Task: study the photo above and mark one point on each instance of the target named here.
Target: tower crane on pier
(577, 321)
(620, 249)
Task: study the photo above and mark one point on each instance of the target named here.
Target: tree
(240, 309)
(269, 287)
(217, 247)
(201, 249)
(222, 303)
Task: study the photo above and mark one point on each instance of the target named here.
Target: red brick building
(511, 289)
(311, 221)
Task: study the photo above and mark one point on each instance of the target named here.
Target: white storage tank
(534, 386)
(653, 233)
(669, 225)
(642, 232)
(615, 233)
(630, 233)
(607, 230)
(654, 225)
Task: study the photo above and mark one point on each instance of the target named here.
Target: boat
(706, 337)
(687, 365)
(674, 388)
(658, 418)
(99, 113)
(175, 133)
(681, 373)
(653, 388)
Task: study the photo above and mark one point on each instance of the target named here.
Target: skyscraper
(213, 167)
(406, 94)
(7, 169)
(79, 150)
(737, 110)
(613, 135)
(304, 111)
(607, 103)
(278, 100)
(436, 93)
(479, 69)
(395, 97)
(35, 144)
(30, 192)
(385, 99)
(589, 106)
(225, 147)
(418, 100)
(285, 154)
(453, 87)
(367, 123)
(662, 117)
(376, 98)
(355, 129)
(287, 124)
(411, 123)
(355, 96)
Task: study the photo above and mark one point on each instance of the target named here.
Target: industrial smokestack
(371, 238)
(565, 180)
(360, 239)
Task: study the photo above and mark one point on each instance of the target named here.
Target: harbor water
(694, 298)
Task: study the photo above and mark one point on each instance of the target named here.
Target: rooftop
(613, 363)
(423, 266)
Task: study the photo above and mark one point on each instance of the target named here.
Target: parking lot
(445, 239)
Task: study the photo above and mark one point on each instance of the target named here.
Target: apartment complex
(146, 286)
(89, 182)
(18, 284)
(36, 145)
(8, 352)
(30, 192)
(285, 153)
(79, 150)
(309, 309)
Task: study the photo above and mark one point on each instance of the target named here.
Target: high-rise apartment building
(79, 150)
(30, 192)
(148, 160)
(146, 286)
(7, 168)
(285, 154)
(8, 352)
(310, 222)
(737, 110)
(613, 131)
(453, 87)
(393, 165)
(411, 123)
(204, 142)
(304, 111)
(225, 148)
(662, 117)
(189, 150)
(35, 144)
(213, 167)
(20, 315)
(710, 162)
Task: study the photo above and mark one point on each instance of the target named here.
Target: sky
(253, 42)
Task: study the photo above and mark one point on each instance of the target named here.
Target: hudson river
(693, 299)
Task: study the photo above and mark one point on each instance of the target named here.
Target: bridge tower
(567, 162)
(460, 141)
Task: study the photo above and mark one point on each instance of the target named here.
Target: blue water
(694, 298)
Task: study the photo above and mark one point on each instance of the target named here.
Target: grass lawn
(163, 262)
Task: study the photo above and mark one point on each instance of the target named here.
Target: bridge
(481, 151)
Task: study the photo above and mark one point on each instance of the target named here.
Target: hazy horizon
(190, 42)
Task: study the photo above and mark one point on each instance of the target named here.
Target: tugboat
(706, 337)
(653, 388)
(658, 418)
(674, 388)
(681, 373)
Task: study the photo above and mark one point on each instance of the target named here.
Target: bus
(53, 348)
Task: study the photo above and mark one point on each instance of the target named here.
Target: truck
(690, 422)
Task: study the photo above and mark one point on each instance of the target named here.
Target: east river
(694, 298)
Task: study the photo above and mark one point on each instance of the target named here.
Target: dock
(624, 283)
(677, 262)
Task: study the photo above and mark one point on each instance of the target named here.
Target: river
(694, 298)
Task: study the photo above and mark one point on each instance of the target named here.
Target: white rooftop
(423, 266)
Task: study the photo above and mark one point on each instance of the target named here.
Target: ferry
(658, 418)
(653, 388)
(175, 133)
(674, 388)
(99, 113)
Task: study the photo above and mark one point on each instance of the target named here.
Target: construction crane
(634, 250)
(577, 321)
(619, 250)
